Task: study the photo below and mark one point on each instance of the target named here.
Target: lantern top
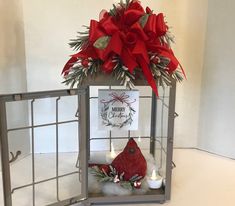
(102, 79)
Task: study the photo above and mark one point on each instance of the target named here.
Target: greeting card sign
(118, 109)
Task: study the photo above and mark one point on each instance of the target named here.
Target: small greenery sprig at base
(112, 176)
(128, 42)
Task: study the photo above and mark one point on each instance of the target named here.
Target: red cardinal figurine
(130, 161)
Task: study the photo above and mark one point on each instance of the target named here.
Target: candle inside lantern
(154, 175)
(139, 139)
(111, 155)
(155, 181)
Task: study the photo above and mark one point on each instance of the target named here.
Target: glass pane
(18, 114)
(44, 146)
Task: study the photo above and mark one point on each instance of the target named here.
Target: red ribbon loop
(108, 25)
(95, 31)
(156, 25)
(132, 16)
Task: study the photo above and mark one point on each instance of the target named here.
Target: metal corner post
(153, 124)
(170, 140)
(5, 155)
(84, 136)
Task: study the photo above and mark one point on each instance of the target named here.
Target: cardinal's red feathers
(130, 161)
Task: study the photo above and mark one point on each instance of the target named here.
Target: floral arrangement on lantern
(128, 42)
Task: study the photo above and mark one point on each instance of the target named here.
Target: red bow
(129, 40)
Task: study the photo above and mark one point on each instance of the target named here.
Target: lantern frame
(84, 120)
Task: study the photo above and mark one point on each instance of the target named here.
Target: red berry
(155, 60)
(85, 63)
(105, 168)
(137, 185)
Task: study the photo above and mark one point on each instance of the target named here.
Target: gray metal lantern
(46, 121)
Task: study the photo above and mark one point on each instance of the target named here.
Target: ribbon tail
(95, 32)
(148, 74)
(128, 60)
(68, 65)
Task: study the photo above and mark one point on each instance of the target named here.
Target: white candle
(139, 139)
(155, 181)
(154, 175)
(113, 153)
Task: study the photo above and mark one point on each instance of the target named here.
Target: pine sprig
(78, 73)
(122, 73)
(168, 39)
(114, 10)
(102, 177)
(81, 41)
(177, 75)
(126, 4)
(161, 73)
(76, 76)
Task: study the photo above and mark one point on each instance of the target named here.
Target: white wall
(217, 130)
(188, 21)
(13, 70)
(49, 24)
(12, 51)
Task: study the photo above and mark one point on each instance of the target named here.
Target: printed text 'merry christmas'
(118, 109)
